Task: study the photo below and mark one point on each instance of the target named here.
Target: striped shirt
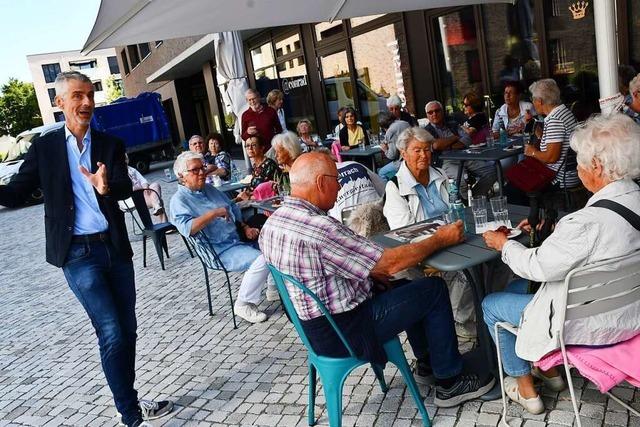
(327, 257)
(558, 127)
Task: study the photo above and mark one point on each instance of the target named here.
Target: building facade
(99, 66)
(436, 54)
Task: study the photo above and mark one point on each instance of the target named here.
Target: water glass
(490, 141)
(498, 203)
(480, 219)
(478, 203)
(167, 173)
(361, 143)
(502, 218)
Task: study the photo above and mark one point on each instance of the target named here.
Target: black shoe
(155, 409)
(423, 373)
(467, 387)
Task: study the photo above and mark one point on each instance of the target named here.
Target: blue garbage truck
(143, 126)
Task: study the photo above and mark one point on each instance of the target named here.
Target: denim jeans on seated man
(507, 307)
(103, 282)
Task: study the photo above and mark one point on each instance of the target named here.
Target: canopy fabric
(124, 22)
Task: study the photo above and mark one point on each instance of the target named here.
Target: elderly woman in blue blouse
(199, 207)
(514, 114)
(419, 190)
(608, 155)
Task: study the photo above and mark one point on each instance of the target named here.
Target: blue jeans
(422, 308)
(104, 284)
(507, 307)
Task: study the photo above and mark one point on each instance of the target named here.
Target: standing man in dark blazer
(83, 174)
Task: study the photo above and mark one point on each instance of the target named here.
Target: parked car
(15, 154)
(339, 94)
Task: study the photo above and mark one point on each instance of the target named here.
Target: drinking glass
(480, 219)
(498, 203)
(478, 203)
(361, 143)
(489, 140)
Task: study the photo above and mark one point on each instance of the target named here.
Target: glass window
(381, 62)
(571, 45)
(158, 43)
(457, 58)
(325, 30)
(512, 46)
(52, 96)
(262, 56)
(266, 80)
(297, 94)
(113, 65)
(633, 12)
(83, 65)
(125, 62)
(134, 56)
(97, 86)
(362, 19)
(337, 83)
(145, 50)
(288, 45)
(50, 72)
(58, 116)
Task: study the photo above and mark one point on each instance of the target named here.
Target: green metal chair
(334, 371)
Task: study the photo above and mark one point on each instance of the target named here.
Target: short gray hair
(410, 134)
(438, 103)
(195, 137)
(612, 139)
(63, 77)
(547, 91)
(634, 85)
(180, 165)
(394, 100)
(289, 142)
(253, 92)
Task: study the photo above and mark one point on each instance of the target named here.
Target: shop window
(633, 9)
(381, 63)
(337, 84)
(363, 19)
(326, 30)
(262, 56)
(512, 46)
(288, 45)
(266, 80)
(297, 95)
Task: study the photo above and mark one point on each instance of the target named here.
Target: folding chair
(591, 290)
(333, 371)
(209, 259)
(156, 232)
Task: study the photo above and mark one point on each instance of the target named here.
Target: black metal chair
(209, 259)
(156, 232)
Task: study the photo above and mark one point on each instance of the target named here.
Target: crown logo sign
(579, 9)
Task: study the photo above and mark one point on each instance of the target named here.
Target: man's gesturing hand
(450, 234)
(98, 179)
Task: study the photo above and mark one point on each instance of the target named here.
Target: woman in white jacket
(419, 191)
(608, 156)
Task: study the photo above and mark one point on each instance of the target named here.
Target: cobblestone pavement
(256, 375)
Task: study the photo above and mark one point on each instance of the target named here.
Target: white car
(15, 153)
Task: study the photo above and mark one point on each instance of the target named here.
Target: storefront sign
(289, 84)
(579, 9)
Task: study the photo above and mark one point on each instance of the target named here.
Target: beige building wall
(65, 59)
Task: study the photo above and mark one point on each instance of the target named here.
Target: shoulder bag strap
(621, 210)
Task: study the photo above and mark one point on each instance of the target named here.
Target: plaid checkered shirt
(327, 257)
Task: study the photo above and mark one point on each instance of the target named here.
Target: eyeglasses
(434, 111)
(197, 171)
(336, 177)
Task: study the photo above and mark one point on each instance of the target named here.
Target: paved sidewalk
(256, 375)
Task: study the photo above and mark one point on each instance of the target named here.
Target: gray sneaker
(467, 387)
(150, 410)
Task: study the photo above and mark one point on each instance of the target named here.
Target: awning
(124, 22)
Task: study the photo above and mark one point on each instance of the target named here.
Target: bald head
(314, 178)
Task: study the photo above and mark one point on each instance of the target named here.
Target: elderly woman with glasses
(608, 155)
(419, 190)
(196, 207)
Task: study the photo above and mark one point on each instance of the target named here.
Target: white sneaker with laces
(249, 312)
(533, 405)
(272, 294)
(552, 383)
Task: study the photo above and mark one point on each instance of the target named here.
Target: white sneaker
(533, 405)
(552, 383)
(249, 312)
(272, 294)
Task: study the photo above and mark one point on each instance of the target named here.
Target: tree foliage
(114, 89)
(18, 108)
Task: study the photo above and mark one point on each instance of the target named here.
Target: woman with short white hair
(287, 150)
(608, 155)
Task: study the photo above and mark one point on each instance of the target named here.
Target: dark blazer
(46, 166)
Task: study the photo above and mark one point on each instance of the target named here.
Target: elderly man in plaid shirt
(301, 240)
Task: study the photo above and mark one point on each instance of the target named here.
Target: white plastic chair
(592, 290)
